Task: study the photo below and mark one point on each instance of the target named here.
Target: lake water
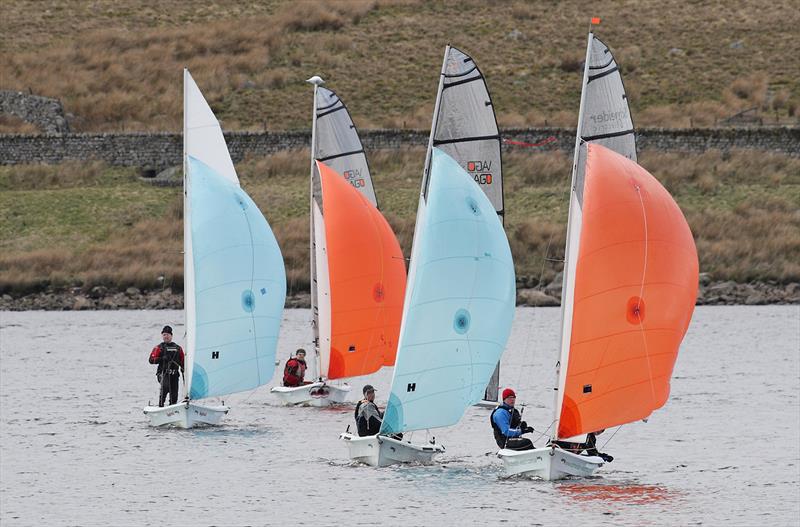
(75, 448)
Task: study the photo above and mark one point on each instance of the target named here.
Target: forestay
(459, 303)
(337, 143)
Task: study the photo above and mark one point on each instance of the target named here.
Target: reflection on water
(72, 434)
(628, 493)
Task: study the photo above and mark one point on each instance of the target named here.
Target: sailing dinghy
(457, 313)
(358, 272)
(234, 278)
(630, 283)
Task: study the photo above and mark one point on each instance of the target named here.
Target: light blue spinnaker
(239, 286)
(459, 304)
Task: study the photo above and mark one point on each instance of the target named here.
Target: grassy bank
(87, 225)
(116, 65)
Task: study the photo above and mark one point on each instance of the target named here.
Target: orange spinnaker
(635, 291)
(367, 280)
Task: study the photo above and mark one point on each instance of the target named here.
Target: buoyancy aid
(516, 420)
(170, 359)
(294, 372)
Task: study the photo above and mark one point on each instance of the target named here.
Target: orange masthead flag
(595, 20)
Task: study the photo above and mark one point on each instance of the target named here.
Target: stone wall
(162, 150)
(44, 112)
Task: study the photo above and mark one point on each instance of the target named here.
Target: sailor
(368, 416)
(169, 357)
(590, 446)
(295, 369)
(508, 425)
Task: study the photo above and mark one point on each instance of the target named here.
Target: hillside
(116, 65)
(78, 225)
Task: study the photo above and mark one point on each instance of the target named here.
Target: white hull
(315, 394)
(382, 451)
(185, 414)
(549, 463)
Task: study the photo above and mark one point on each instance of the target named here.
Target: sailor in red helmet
(508, 425)
(169, 357)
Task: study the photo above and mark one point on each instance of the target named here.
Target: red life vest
(294, 372)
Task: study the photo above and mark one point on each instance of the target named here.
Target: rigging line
(541, 435)
(641, 293)
(610, 438)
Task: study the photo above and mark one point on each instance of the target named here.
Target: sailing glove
(527, 430)
(523, 424)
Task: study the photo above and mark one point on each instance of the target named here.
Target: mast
(316, 81)
(187, 380)
(567, 285)
(435, 120)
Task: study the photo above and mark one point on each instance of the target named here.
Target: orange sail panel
(635, 290)
(367, 280)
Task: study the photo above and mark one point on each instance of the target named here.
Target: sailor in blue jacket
(508, 425)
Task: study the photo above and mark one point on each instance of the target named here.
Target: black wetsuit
(169, 357)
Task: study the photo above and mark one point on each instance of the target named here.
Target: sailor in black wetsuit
(169, 357)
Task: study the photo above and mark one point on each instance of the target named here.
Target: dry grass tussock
(757, 239)
(112, 79)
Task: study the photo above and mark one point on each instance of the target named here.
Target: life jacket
(516, 420)
(294, 372)
(170, 358)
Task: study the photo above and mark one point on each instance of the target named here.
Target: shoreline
(100, 298)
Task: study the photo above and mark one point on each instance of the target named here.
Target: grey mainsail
(337, 143)
(606, 117)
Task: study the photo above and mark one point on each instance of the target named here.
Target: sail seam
(641, 293)
(615, 363)
(252, 282)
